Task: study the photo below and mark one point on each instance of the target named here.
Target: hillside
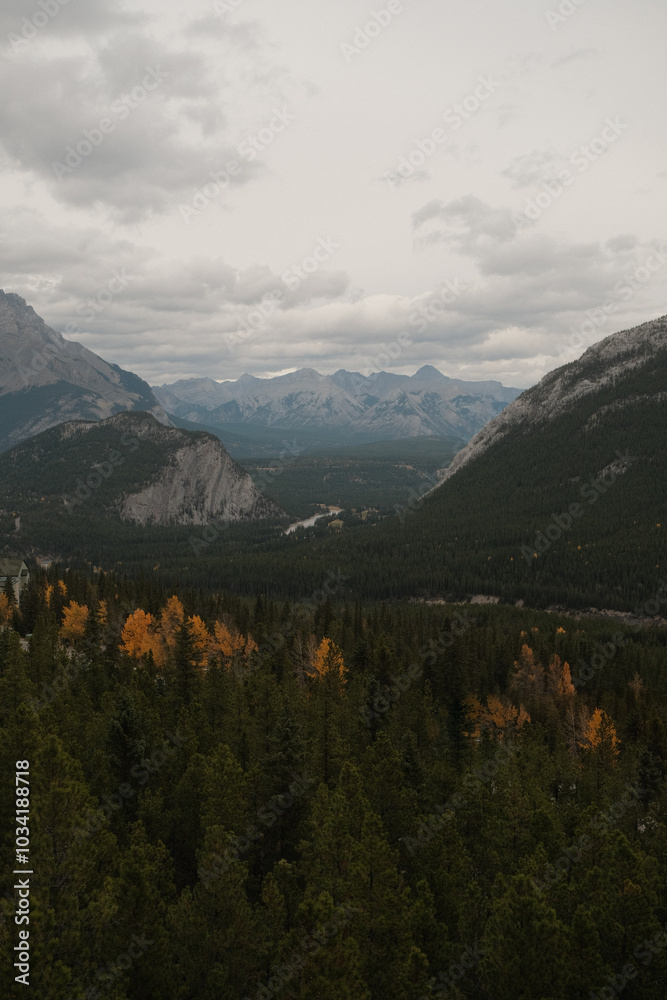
(46, 379)
(561, 500)
(82, 480)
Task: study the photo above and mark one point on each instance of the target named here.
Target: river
(310, 521)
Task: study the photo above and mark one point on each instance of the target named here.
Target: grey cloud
(167, 129)
(470, 224)
(532, 168)
(23, 25)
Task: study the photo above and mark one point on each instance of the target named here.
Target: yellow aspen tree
(201, 640)
(75, 617)
(601, 735)
(136, 634)
(223, 639)
(498, 715)
(328, 659)
(250, 647)
(565, 686)
(171, 619)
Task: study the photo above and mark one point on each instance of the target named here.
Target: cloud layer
(208, 193)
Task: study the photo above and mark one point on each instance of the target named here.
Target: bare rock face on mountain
(199, 484)
(45, 379)
(132, 467)
(604, 365)
(378, 405)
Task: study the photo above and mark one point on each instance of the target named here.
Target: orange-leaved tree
(328, 660)
(5, 610)
(601, 736)
(528, 676)
(498, 715)
(559, 677)
(201, 640)
(137, 635)
(171, 619)
(75, 617)
(231, 645)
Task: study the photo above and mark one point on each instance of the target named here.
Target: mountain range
(46, 379)
(559, 500)
(357, 407)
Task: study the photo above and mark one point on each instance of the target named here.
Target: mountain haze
(380, 405)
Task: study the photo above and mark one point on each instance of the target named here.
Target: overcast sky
(476, 185)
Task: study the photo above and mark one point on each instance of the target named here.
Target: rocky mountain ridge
(132, 467)
(379, 405)
(46, 379)
(604, 364)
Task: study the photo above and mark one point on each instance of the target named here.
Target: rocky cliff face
(605, 364)
(132, 467)
(199, 484)
(45, 379)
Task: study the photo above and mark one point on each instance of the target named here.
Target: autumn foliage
(5, 610)
(144, 634)
(601, 735)
(137, 634)
(328, 660)
(532, 680)
(498, 715)
(75, 617)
